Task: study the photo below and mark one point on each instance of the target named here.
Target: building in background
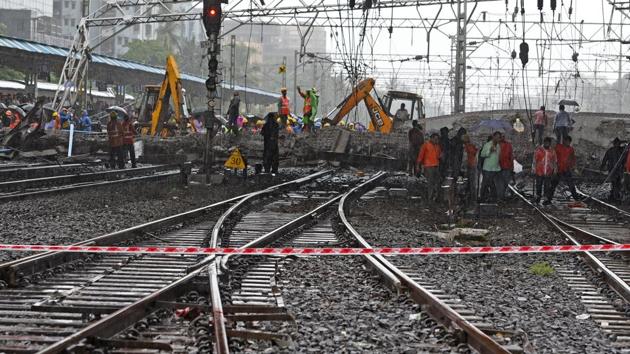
(29, 19)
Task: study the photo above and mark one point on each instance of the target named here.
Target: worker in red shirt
(506, 162)
(471, 167)
(540, 122)
(115, 135)
(429, 159)
(545, 165)
(128, 133)
(566, 163)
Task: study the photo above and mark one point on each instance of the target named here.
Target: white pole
(70, 138)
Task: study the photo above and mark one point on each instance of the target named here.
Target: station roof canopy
(33, 56)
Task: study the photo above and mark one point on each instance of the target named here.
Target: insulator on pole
(574, 57)
(513, 55)
(524, 54)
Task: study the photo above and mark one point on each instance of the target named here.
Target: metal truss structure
(467, 29)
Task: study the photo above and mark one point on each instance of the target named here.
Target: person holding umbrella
(115, 135)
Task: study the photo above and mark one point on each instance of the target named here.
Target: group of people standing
(616, 162)
(121, 139)
(442, 156)
(67, 117)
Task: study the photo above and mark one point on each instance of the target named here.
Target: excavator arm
(171, 88)
(379, 119)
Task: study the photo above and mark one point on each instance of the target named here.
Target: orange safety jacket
(628, 162)
(115, 133)
(429, 155)
(128, 132)
(545, 161)
(284, 105)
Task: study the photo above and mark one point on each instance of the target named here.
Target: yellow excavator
(154, 115)
(381, 118)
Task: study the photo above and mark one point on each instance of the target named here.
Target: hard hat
(55, 114)
(8, 113)
(260, 123)
(326, 124)
(284, 89)
(113, 114)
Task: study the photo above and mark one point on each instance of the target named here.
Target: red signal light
(212, 12)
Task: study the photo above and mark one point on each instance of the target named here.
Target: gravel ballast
(340, 306)
(79, 215)
(500, 288)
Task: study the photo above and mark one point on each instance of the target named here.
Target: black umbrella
(48, 107)
(568, 103)
(119, 110)
(27, 107)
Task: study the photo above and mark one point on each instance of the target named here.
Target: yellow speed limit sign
(235, 160)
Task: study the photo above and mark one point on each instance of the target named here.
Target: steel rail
(375, 261)
(26, 266)
(74, 187)
(24, 171)
(128, 315)
(604, 204)
(613, 280)
(220, 332)
(437, 309)
(82, 177)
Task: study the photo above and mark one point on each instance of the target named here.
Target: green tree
(7, 73)
(150, 52)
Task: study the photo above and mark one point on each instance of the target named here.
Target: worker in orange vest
(57, 120)
(115, 135)
(429, 159)
(128, 134)
(283, 107)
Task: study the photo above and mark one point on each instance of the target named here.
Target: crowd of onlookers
(489, 167)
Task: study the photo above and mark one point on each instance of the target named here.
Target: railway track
(59, 179)
(446, 309)
(53, 301)
(117, 303)
(604, 283)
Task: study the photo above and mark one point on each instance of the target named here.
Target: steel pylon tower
(460, 57)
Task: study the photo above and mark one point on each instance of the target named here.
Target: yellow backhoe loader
(155, 115)
(381, 118)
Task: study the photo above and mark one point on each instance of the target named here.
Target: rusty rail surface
(437, 309)
(613, 280)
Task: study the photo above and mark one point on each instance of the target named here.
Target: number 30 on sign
(235, 160)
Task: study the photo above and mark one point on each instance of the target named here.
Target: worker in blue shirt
(66, 118)
(86, 122)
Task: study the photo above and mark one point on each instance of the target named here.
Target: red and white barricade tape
(320, 251)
